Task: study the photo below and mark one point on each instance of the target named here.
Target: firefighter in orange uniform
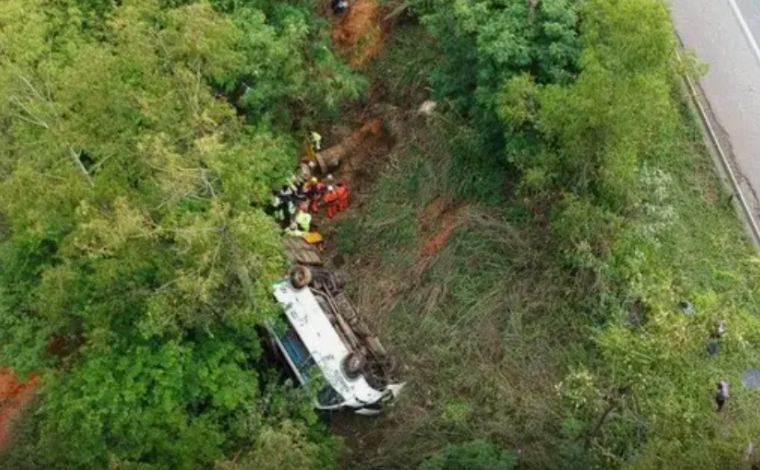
(342, 192)
(331, 200)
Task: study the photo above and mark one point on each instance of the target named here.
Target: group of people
(294, 203)
(713, 348)
(721, 396)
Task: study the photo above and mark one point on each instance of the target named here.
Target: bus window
(328, 397)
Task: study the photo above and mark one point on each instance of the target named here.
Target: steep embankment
(14, 397)
(535, 303)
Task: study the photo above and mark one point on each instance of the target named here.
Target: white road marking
(745, 29)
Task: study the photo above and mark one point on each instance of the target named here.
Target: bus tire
(300, 277)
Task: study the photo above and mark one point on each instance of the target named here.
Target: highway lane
(725, 34)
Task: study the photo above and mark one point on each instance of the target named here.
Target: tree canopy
(141, 140)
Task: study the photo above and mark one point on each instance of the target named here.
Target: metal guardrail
(745, 209)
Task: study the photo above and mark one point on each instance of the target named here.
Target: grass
(479, 327)
(481, 331)
(688, 245)
(400, 74)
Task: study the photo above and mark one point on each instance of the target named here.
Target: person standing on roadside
(722, 396)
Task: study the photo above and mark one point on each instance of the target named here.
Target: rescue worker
(295, 187)
(287, 204)
(316, 140)
(274, 206)
(301, 194)
(303, 218)
(342, 192)
(294, 231)
(722, 396)
(331, 200)
(339, 6)
(306, 170)
(314, 193)
(286, 192)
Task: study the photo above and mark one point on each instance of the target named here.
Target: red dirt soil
(366, 139)
(359, 32)
(356, 151)
(431, 213)
(14, 397)
(447, 218)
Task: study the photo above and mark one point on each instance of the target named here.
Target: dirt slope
(358, 33)
(14, 397)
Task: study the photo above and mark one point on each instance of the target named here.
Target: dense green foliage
(474, 455)
(484, 41)
(136, 256)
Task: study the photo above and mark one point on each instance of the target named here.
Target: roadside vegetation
(585, 208)
(522, 250)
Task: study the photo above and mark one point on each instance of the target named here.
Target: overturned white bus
(322, 334)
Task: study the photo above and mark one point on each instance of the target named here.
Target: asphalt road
(725, 35)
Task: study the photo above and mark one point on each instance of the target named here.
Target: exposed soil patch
(367, 146)
(369, 155)
(359, 33)
(355, 152)
(449, 223)
(14, 397)
(440, 220)
(431, 213)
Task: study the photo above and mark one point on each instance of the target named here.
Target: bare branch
(396, 11)
(75, 156)
(206, 182)
(30, 121)
(32, 116)
(34, 90)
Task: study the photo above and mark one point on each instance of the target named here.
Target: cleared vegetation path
(725, 34)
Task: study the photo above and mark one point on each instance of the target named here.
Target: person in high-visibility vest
(342, 192)
(303, 219)
(316, 140)
(293, 230)
(331, 199)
